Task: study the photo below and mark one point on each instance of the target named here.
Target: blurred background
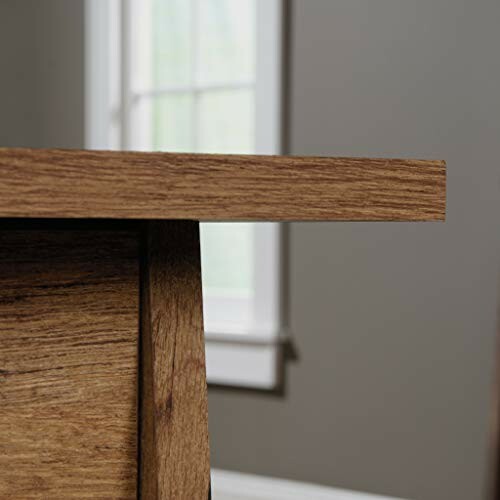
(350, 355)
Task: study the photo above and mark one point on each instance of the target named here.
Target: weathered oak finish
(68, 363)
(174, 420)
(90, 184)
(75, 366)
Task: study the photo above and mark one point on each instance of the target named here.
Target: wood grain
(90, 184)
(68, 364)
(174, 421)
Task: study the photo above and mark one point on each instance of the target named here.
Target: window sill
(243, 360)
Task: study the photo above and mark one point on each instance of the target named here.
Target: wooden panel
(68, 364)
(174, 426)
(55, 183)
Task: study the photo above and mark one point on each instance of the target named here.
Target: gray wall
(18, 96)
(393, 324)
(42, 73)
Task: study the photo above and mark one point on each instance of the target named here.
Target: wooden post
(174, 451)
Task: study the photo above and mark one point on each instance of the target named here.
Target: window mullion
(187, 89)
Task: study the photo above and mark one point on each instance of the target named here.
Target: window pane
(170, 117)
(226, 40)
(227, 256)
(173, 129)
(171, 21)
(226, 121)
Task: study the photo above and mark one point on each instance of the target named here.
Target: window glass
(227, 258)
(172, 42)
(226, 121)
(226, 41)
(172, 122)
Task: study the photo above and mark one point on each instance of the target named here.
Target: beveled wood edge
(42, 183)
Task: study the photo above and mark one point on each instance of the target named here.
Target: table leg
(174, 451)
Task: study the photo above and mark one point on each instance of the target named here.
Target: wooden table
(102, 366)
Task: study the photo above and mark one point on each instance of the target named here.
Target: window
(201, 76)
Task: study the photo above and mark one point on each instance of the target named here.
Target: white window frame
(238, 354)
